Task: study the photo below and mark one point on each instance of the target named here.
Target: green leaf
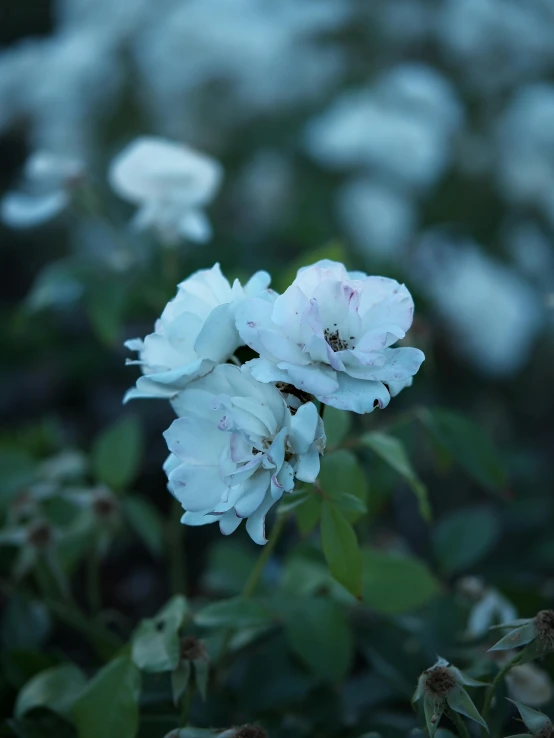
(26, 623)
(337, 425)
(109, 705)
(466, 444)
(201, 675)
(464, 537)
(433, 714)
(228, 568)
(307, 514)
(180, 678)
(517, 637)
(396, 584)
(146, 522)
(17, 470)
(318, 632)
(342, 478)
(236, 612)
(392, 451)
(533, 719)
(56, 688)
(117, 452)
(340, 547)
(459, 700)
(105, 305)
(155, 643)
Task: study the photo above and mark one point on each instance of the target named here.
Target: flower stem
(185, 708)
(459, 724)
(93, 582)
(176, 544)
(495, 683)
(253, 580)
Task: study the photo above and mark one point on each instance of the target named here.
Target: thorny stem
(176, 544)
(459, 724)
(494, 684)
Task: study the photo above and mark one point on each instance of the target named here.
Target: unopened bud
(438, 682)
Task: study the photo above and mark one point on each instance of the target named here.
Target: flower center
(335, 340)
(439, 681)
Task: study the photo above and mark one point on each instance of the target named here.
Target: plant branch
(253, 580)
(176, 552)
(495, 683)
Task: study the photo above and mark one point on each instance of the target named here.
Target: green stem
(93, 582)
(176, 542)
(185, 709)
(459, 724)
(253, 580)
(170, 266)
(494, 684)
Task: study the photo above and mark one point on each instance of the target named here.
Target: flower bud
(544, 622)
(191, 649)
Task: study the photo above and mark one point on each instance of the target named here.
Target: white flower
(195, 332)
(171, 183)
(529, 684)
(48, 179)
(237, 447)
(330, 334)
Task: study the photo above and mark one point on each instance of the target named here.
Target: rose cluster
(244, 434)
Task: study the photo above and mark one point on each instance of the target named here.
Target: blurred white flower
(492, 315)
(378, 217)
(525, 141)
(488, 606)
(46, 190)
(496, 42)
(195, 332)
(330, 334)
(170, 183)
(530, 684)
(401, 127)
(237, 447)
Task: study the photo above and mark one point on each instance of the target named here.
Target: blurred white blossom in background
(492, 315)
(48, 179)
(170, 183)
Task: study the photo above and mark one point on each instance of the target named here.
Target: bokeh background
(411, 138)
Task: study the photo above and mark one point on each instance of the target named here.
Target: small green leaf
(180, 678)
(236, 612)
(201, 675)
(337, 425)
(392, 451)
(340, 547)
(341, 478)
(308, 513)
(464, 537)
(105, 305)
(395, 584)
(117, 452)
(459, 701)
(109, 705)
(155, 643)
(517, 637)
(146, 522)
(467, 444)
(533, 719)
(56, 688)
(318, 632)
(433, 714)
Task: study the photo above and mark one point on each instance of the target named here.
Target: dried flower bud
(545, 629)
(250, 731)
(438, 681)
(39, 535)
(191, 649)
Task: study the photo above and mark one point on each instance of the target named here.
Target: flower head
(48, 181)
(330, 335)
(442, 686)
(537, 634)
(195, 332)
(237, 447)
(171, 183)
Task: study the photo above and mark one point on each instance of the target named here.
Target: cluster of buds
(442, 687)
